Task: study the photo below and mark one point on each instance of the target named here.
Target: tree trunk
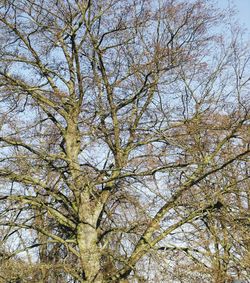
(89, 252)
(87, 241)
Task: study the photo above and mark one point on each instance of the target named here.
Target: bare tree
(124, 140)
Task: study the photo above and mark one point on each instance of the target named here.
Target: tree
(123, 128)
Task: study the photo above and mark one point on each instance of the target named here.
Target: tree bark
(89, 252)
(87, 238)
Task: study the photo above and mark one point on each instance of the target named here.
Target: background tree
(124, 140)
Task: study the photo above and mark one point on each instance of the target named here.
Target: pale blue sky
(243, 7)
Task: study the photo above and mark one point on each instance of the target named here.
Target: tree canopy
(124, 142)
